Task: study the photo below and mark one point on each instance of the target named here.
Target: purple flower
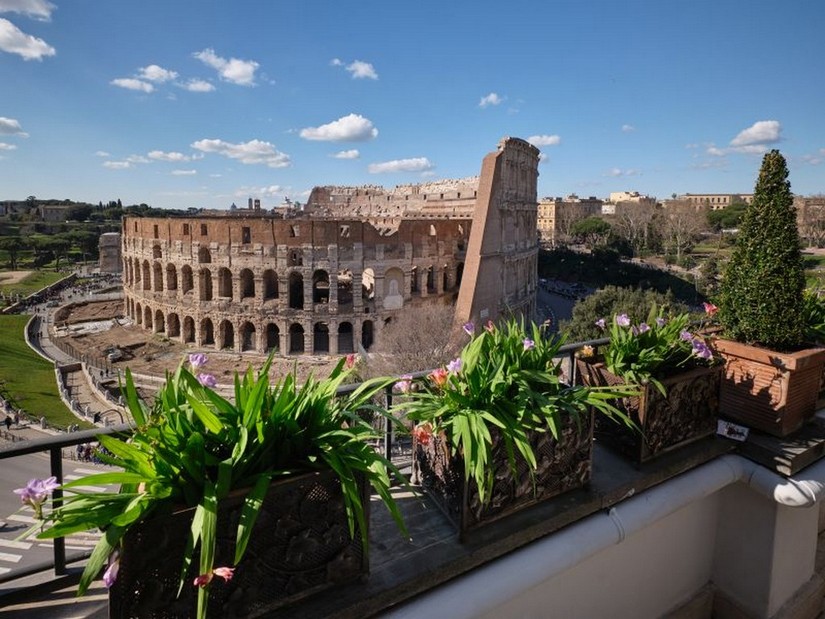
(644, 328)
(701, 350)
(198, 360)
(207, 380)
(686, 336)
(469, 328)
(622, 320)
(600, 323)
(404, 385)
(110, 575)
(528, 343)
(36, 492)
(454, 366)
(660, 322)
(634, 330)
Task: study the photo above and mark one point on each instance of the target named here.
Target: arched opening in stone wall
(188, 330)
(205, 285)
(157, 277)
(138, 314)
(459, 273)
(367, 334)
(207, 332)
(273, 337)
(224, 283)
(226, 333)
(147, 317)
(136, 269)
(296, 291)
(368, 284)
(187, 281)
(171, 277)
(320, 287)
(204, 255)
(430, 280)
(345, 290)
(157, 253)
(247, 284)
(345, 340)
(394, 288)
(270, 282)
(173, 325)
(296, 338)
(147, 276)
(247, 336)
(320, 338)
(414, 281)
(160, 327)
(445, 278)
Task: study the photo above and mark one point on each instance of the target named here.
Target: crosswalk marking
(21, 518)
(11, 543)
(5, 556)
(5, 570)
(88, 471)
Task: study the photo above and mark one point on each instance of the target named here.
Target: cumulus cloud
(250, 153)
(234, 70)
(117, 165)
(416, 164)
(362, 70)
(268, 191)
(130, 83)
(154, 73)
(336, 62)
(159, 155)
(102, 153)
(15, 41)
(544, 140)
(759, 133)
(37, 9)
(350, 128)
(4, 146)
(628, 128)
(491, 99)
(347, 154)
(184, 172)
(197, 85)
(11, 126)
(137, 159)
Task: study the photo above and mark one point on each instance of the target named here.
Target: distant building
(557, 215)
(110, 252)
(716, 201)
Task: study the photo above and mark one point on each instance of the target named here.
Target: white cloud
(11, 126)
(716, 152)
(491, 99)
(154, 73)
(417, 164)
(250, 153)
(117, 165)
(362, 70)
(544, 140)
(37, 9)
(4, 146)
(271, 190)
(617, 172)
(159, 155)
(15, 41)
(347, 154)
(196, 85)
(543, 158)
(759, 133)
(102, 153)
(215, 175)
(336, 62)
(234, 70)
(137, 159)
(131, 83)
(351, 128)
(184, 172)
(628, 128)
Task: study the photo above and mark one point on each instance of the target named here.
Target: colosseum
(327, 278)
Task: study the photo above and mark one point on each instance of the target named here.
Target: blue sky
(180, 103)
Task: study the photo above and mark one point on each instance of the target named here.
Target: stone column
(379, 292)
(283, 293)
(333, 337)
(259, 290)
(357, 301)
(333, 293)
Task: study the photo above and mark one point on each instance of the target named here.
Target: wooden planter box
(769, 391)
(300, 545)
(563, 465)
(687, 414)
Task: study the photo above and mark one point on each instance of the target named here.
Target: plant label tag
(731, 430)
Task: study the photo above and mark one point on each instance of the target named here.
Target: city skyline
(205, 104)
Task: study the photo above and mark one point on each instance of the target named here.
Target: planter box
(769, 391)
(300, 545)
(562, 465)
(687, 414)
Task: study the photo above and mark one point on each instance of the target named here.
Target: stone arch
(157, 277)
(171, 277)
(270, 282)
(207, 333)
(188, 330)
(320, 286)
(147, 317)
(157, 252)
(205, 285)
(204, 255)
(296, 291)
(394, 288)
(296, 338)
(147, 276)
(186, 280)
(225, 283)
(320, 338)
(247, 333)
(430, 279)
(414, 280)
(226, 335)
(345, 340)
(273, 337)
(344, 289)
(367, 334)
(368, 284)
(160, 323)
(138, 314)
(172, 325)
(445, 278)
(247, 284)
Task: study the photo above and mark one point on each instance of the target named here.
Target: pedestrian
(17, 418)
(8, 422)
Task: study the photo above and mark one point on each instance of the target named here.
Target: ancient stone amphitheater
(327, 279)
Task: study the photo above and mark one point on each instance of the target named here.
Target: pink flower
(110, 575)
(35, 493)
(423, 433)
(710, 309)
(207, 380)
(202, 580)
(221, 572)
(198, 360)
(351, 359)
(439, 377)
(469, 328)
(454, 366)
(404, 385)
(528, 343)
(490, 326)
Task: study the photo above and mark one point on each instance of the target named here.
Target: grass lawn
(28, 378)
(33, 282)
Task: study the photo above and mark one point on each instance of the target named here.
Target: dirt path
(9, 278)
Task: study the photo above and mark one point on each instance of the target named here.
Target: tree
(566, 217)
(633, 223)
(79, 212)
(761, 296)
(13, 245)
(680, 224)
(810, 217)
(591, 231)
(728, 217)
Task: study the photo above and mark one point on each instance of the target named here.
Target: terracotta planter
(562, 465)
(300, 545)
(688, 412)
(769, 391)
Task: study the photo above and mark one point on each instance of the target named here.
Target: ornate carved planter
(687, 414)
(769, 391)
(562, 465)
(300, 545)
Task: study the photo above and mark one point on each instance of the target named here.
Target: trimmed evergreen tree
(761, 293)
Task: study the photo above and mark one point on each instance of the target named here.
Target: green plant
(761, 293)
(193, 447)
(813, 315)
(507, 379)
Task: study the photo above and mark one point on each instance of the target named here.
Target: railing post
(57, 500)
(388, 426)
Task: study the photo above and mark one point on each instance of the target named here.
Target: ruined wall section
(502, 256)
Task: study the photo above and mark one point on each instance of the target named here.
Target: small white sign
(731, 430)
